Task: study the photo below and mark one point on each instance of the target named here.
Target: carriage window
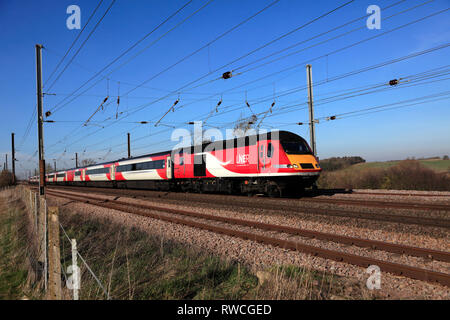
(149, 165)
(98, 171)
(181, 161)
(269, 150)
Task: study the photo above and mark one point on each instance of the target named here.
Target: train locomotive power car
(278, 163)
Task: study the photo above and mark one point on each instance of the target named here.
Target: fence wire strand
(87, 266)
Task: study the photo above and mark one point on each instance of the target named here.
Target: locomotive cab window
(295, 147)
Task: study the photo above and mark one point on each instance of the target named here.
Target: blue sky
(413, 131)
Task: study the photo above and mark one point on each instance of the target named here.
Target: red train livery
(276, 163)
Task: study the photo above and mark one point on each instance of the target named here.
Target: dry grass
(132, 264)
(17, 274)
(6, 178)
(289, 282)
(135, 265)
(406, 175)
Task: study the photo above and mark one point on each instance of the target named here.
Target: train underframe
(273, 187)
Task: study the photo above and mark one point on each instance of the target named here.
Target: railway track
(382, 204)
(185, 218)
(271, 204)
(411, 194)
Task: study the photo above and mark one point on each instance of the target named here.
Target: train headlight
(295, 166)
(289, 166)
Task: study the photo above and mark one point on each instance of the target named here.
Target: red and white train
(276, 163)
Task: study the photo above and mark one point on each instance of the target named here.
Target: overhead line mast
(40, 119)
(13, 159)
(311, 109)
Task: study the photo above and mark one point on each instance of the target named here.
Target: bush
(406, 175)
(337, 163)
(6, 178)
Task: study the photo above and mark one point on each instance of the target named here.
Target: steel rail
(398, 194)
(272, 205)
(382, 204)
(394, 268)
(374, 244)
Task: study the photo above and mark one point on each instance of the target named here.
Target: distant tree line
(337, 163)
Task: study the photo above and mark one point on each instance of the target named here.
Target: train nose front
(304, 162)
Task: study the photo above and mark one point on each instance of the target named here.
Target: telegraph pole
(13, 153)
(76, 159)
(311, 109)
(54, 163)
(40, 120)
(6, 163)
(129, 148)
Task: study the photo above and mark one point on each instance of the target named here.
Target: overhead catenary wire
(201, 48)
(271, 42)
(327, 32)
(319, 102)
(280, 37)
(383, 106)
(287, 108)
(81, 46)
(73, 43)
(60, 105)
(338, 77)
(353, 44)
(207, 45)
(331, 39)
(342, 76)
(414, 100)
(253, 51)
(309, 60)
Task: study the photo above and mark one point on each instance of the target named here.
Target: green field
(436, 165)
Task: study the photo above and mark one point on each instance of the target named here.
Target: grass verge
(131, 264)
(13, 252)
(134, 265)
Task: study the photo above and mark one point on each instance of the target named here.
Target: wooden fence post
(54, 292)
(30, 203)
(36, 213)
(75, 271)
(42, 237)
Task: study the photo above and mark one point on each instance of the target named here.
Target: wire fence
(39, 234)
(74, 267)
